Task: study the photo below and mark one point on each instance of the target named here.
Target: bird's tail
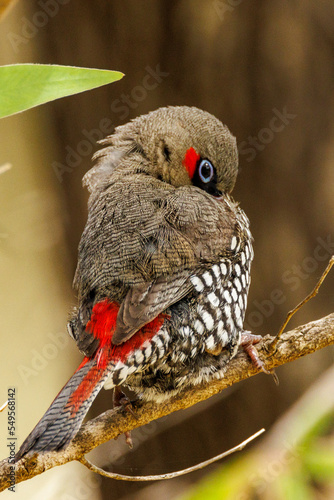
(62, 420)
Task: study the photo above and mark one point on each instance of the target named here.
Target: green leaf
(24, 86)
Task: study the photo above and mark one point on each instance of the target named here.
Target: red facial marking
(190, 161)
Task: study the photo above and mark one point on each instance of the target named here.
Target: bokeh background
(266, 69)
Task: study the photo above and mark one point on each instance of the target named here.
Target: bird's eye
(205, 171)
(205, 177)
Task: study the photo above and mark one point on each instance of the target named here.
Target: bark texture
(301, 341)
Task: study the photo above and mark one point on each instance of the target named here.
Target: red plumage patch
(121, 352)
(190, 161)
(102, 325)
(86, 386)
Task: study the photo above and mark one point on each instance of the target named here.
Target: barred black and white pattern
(202, 334)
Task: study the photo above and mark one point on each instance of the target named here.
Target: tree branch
(291, 345)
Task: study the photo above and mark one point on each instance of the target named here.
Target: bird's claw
(247, 342)
(121, 399)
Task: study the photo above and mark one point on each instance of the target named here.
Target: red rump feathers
(102, 322)
(102, 325)
(190, 161)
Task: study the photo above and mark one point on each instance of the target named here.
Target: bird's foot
(248, 340)
(121, 399)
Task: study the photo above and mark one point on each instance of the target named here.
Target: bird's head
(178, 145)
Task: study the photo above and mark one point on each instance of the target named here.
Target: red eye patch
(190, 161)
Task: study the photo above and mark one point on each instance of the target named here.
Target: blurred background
(266, 69)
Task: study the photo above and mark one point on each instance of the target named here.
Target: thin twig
(314, 292)
(4, 406)
(5, 6)
(169, 475)
(5, 167)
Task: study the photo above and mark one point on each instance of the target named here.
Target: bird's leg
(121, 399)
(247, 342)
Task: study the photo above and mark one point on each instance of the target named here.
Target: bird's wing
(146, 301)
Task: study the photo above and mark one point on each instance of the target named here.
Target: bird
(163, 268)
